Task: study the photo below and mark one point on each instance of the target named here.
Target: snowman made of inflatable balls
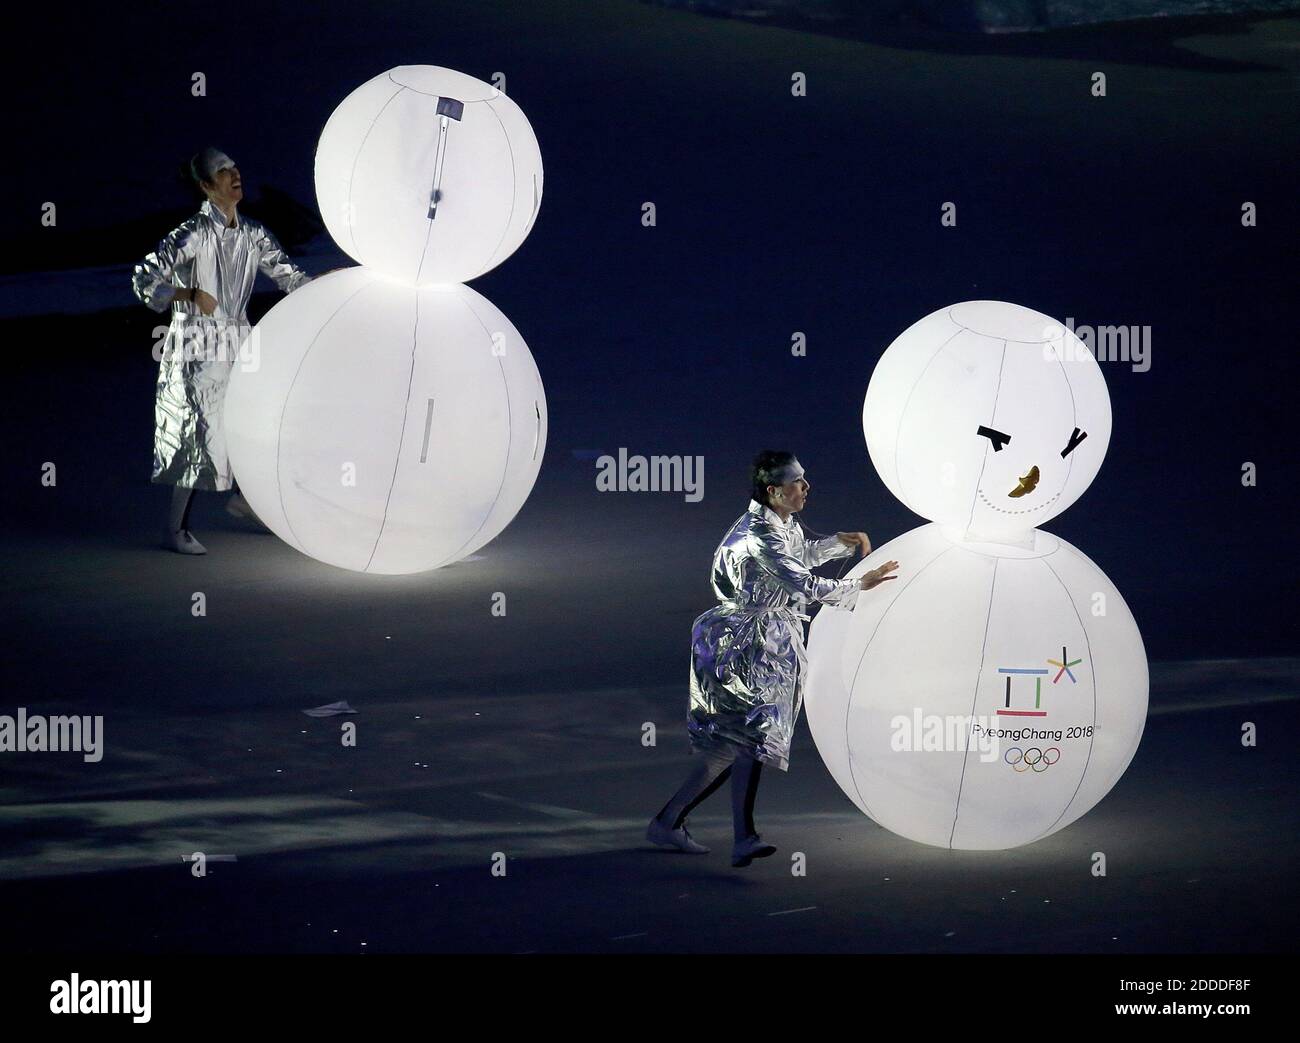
(395, 421)
(997, 689)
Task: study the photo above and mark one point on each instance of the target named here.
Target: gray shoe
(658, 833)
(183, 542)
(745, 851)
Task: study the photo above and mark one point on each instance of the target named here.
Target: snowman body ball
(997, 689)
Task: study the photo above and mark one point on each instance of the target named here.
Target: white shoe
(658, 833)
(745, 851)
(183, 542)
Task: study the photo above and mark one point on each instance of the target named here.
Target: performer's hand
(206, 302)
(878, 576)
(855, 539)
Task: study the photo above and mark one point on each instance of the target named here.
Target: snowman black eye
(996, 437)
(1075, 438)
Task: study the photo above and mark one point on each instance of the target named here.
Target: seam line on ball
(514, 191)
(1092, 669)
(352, 231)
(984, 646)
(401, 438)
(853, 685)
(898, 428)
(510, 437)
(288, 396)
(970, 517)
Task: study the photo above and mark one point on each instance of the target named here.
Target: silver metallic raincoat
(747, 654)
(199, 351)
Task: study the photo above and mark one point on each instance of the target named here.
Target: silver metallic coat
(747, 654)
(199, 351)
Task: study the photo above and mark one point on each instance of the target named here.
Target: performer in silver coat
(747, 654)
(204, 271)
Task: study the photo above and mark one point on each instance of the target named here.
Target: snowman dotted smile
(1028, 510)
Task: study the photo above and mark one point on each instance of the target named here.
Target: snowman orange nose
(1027, 483)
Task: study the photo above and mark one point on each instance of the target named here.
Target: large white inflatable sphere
(986, 698)
(385, 428)
(428, 175)
(987, 417)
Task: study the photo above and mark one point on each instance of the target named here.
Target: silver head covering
(205, 164)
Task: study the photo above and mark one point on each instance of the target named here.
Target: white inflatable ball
(428, 175)
(986, 698)
(987, 417)
(385, 429)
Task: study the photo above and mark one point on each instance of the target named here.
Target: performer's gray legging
(178, 515)
(707, 775)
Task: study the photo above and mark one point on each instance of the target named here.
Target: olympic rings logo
(1032, 759)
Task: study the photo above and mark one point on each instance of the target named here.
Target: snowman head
(987, 417)
(420, 142)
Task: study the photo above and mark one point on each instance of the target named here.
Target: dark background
(775, 214)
